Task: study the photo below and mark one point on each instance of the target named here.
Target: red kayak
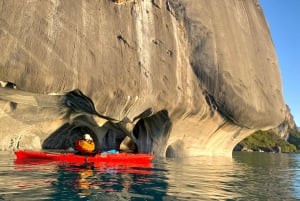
(71, 157)
(117, 162)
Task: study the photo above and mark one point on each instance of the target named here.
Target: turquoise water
(246, 176)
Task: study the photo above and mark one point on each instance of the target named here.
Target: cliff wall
(181, 77)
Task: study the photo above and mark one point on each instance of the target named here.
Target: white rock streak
(145, 31)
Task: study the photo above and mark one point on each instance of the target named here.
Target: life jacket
(84, 146)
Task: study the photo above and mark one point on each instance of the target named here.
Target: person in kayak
(85, 145)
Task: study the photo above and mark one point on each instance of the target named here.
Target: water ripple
(246, 176)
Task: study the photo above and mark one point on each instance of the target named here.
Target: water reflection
(118, 181)
(204, 178)
(88, 181)
(268, 175)
(295, 171)
(246, 176)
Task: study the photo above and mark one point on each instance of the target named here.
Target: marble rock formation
(283, 130)
(169, 77)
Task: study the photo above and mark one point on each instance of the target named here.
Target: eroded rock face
(182, 77)
(284, 128)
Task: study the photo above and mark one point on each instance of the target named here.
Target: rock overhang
(198, 65)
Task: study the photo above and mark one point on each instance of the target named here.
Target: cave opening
(148, 132)
(149, 135)
(175, 150)
(65, 137)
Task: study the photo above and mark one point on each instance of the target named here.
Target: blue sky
(283, 17)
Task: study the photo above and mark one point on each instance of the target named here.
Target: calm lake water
(246, 176)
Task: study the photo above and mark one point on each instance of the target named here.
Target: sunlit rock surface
(283, 129)
(173, 78)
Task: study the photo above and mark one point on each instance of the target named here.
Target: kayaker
(85, 145)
